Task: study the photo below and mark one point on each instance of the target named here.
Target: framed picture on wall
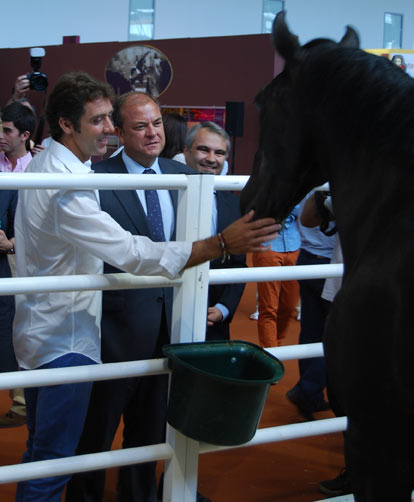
(139, 68)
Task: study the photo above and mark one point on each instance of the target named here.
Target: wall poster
(139, 68)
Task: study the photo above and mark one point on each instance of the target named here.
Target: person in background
(277, 300)
(206, 149)
(19, 124)
(319, 211)
(21, 87)
(16, 416)
(175, 129)
(316, 249)
(13, 158)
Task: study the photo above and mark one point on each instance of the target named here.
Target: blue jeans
(314, 311)
(55, 418)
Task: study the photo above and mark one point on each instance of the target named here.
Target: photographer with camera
(19, 89)
(21, 86)
(37, 81)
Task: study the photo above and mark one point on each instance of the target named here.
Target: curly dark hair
(68, 99)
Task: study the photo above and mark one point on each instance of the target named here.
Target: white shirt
(333, 284)
(180, 157)
(64, 232)
(167, 208)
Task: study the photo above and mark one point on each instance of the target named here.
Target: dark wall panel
(207, 72)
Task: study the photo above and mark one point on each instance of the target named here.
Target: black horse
(339, 114)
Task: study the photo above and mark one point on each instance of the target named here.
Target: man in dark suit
(135, 323)
(207, 148)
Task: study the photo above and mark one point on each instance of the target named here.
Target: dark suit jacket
(228, 210)
(131, 319)
(8, 202)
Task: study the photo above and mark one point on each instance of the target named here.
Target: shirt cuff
(223, 309)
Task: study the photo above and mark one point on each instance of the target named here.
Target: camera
(38, 81)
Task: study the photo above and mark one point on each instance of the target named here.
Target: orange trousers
(277, 300)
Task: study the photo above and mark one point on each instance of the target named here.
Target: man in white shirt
(136, 323)
(64, 232)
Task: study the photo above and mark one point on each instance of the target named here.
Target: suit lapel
(221, 211)
(129, 200)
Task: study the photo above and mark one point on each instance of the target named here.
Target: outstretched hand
(243, 236)
(248, 235)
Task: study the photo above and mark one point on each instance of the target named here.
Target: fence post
(194, 215)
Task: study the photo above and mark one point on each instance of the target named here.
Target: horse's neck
(371, 204)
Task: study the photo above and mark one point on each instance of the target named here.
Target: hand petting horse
(339, 114)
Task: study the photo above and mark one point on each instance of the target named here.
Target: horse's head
(286, 165)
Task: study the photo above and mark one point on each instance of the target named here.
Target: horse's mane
(362, 90)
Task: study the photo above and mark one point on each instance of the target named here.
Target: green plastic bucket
(218, 389)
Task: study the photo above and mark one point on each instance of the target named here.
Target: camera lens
(38, 81)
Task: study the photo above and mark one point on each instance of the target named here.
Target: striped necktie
(154, 215)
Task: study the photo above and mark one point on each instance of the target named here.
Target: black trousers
(142, 402)
(7, 358)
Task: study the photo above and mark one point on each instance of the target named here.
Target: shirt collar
(134, 167)
(69, 159)
(21, 163)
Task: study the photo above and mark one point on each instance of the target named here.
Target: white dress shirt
(64, 232)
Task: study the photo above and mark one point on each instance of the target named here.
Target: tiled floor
(280, 472)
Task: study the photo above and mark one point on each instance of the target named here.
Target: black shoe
(306, 409)
(337, 486)
(322, 406)
(12, 419)
(303, 407)
(202, 498)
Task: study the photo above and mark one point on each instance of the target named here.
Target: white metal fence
(188, 324)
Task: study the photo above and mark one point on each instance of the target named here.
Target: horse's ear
(285, 42)
(350, 39)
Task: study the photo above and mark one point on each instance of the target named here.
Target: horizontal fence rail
(57, 376)
(163, 451)
(59, 283)
(93, 181)
(112, 371)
